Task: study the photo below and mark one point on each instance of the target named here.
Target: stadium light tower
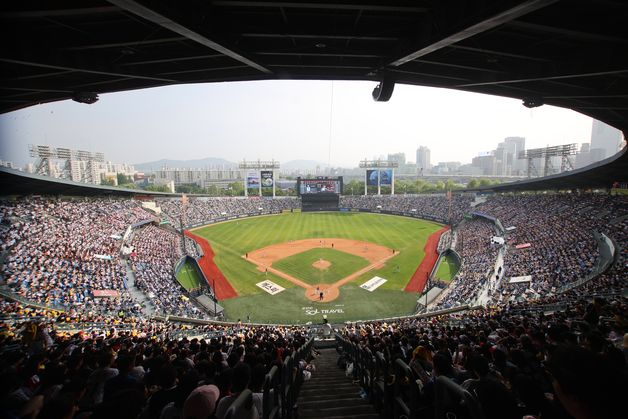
(562, 151)
(262, 174)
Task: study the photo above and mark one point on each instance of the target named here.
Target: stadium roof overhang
(14, 182)
(600, 175)
(565, 53)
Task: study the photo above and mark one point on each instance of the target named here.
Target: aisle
(330, 394)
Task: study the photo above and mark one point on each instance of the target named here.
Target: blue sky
(286, 120)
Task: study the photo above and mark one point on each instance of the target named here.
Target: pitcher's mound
(321, 264)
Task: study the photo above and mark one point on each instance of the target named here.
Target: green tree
(212, 190)
(354, 187)
(157, 188)
(123, 179)
(473, 183)
(107, 182)
(234, 189)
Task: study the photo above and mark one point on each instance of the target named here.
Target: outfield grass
(300, 265)
(231, 240)
(188, 277)
(447, 269)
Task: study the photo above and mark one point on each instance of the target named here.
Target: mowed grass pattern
(300, 265)
(231, 240)
(188, 277)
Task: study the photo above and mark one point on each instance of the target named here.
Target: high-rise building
(486, 163)
(514, 146)
(583, 158)
(399, 158)
(606, 138)
(423, 159)
(501, 154)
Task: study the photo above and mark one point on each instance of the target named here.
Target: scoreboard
(319, 185)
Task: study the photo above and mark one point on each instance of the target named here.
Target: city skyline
(330, 122)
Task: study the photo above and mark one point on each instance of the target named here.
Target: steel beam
(151, 15)
(478, 28)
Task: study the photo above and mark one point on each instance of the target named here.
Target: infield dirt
(376, 254)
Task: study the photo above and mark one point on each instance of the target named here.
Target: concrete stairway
(331, 395)
(147, 305)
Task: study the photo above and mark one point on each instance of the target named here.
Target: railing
(271, 394)
(7, 293)
(607, 251)
(394, 391)
(242, 406)
(451, 400)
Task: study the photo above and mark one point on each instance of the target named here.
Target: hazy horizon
(331, 122)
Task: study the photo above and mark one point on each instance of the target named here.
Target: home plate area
(318, 286)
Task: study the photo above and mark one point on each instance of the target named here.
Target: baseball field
(297, 267)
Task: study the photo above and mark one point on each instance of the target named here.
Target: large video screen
(319, 185)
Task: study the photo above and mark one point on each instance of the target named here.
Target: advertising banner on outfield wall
(371, 177)
(385, 177)
(267, 178)
(252, 180)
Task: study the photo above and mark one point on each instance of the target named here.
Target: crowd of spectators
(445, 241)
(532, 365)
(479, 253)
(156, 252)
(429, 206)
(559, 229)
(102, 357)
(60, 252)
(191, 248)
(203, 210)
(140, 369)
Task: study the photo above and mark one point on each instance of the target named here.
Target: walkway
(147, 305)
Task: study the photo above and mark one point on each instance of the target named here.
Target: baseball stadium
(497, 300)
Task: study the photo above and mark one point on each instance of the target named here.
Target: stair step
(330, 394)
(323, 386)
(337, 396)
(331, 403)
(335, 411)
(340, 379)
(305, 392)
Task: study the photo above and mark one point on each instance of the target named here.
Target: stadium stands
(505, 363)
(156, 252)
(61, 253)
(140, 367)
(478, 260)
(425, 206)
(204, 210)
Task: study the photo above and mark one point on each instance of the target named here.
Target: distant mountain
(209, 162)
(309, 165)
